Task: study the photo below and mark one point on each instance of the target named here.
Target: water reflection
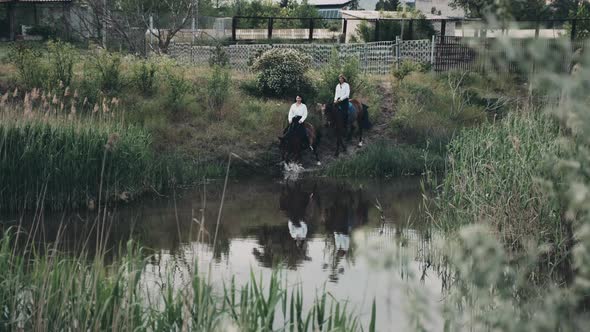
(304, 226)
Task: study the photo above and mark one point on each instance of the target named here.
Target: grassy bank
(386, 160)
(73, 161)
(56, 293)
(430, 109)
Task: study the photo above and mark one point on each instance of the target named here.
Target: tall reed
(54, 292)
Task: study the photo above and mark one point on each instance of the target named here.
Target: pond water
(303, 227)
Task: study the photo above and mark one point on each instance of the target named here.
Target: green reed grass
(73, 160)
(55, 292)
(493, 177)
(384, 160)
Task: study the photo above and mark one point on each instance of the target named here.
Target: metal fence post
(411, 28)
(234, 23)
(269, 33)
(344, 26)
(377, 30)
(432, 44)
(397, 52)
(311, 29)
(443, 27)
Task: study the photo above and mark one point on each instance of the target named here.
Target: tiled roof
(328, 2)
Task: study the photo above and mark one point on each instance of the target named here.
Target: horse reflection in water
(334, 210)
(345, 211)
(288, 245)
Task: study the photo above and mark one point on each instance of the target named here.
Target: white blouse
(342, 91)
(298, 110)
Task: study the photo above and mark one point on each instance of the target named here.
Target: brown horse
(335, 118)
(291, 143)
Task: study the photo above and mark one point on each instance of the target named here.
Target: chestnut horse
(335, 118)
(291, 143)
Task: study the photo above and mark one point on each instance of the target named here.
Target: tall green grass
(385, 160)
(55, 292)
(495, 176)
(74, 161)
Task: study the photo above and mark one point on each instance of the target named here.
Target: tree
(124, 19)
(169, 17)
(387, 5)
(503, 9)
(563, 8)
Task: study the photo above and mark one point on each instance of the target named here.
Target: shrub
(219, 57)
(218, 87)
(406, 68)
(108, 67)
(144, 76)
(31, 71)
(281, 71)
(329, 75)
(62, 57)
(178, 88)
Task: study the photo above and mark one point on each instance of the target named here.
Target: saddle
(351, 111)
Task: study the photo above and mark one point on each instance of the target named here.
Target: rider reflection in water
(298, 207)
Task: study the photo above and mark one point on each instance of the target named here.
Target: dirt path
(380, 130)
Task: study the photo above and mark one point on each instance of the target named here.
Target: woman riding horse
(342, 95)
(298, 135)
(340, 122)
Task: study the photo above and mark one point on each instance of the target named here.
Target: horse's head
(289, 144)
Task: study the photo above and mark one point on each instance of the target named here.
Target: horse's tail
(365, 123)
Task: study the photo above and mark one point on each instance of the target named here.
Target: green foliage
(32, 72)
(62, 58)
(329, 76)
(62, 161)
(219, 57)
(73, 293)
(218, 87)
(178, 89)
(108, 68)
(144, 76)
(385, 160)
(387, 5)
(430, 110)
(407, 67)
(281, 71)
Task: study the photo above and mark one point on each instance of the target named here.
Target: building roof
(319, 3)
(378, 14)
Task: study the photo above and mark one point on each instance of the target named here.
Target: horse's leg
(315, 152)
(360, 132)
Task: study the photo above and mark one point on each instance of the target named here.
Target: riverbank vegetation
(57, 292)
(515, 198)
(192, 118)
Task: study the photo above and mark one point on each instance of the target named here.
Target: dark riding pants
(343, 104)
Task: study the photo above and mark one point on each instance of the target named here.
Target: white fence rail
(373, 58)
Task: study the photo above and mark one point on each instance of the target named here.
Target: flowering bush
(281, 71)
